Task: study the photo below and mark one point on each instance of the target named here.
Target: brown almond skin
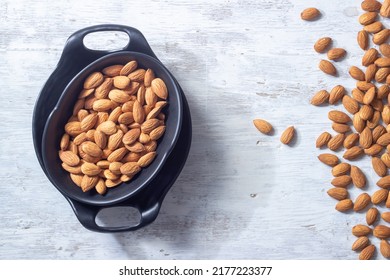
(341, 169)
(372, 216)
(323, 139)
(374, 27)
(368, 18)
(386, 216)
(379, 196)
(363, 39)
(379, 167)
(336, 142)
(263, 126)
(327, 67)
(369, 57)
(336, 54)
(360, 243)
(384, 182)
(358, 177)
(320, 98)
(310, 14)
(350, 104)
(371, 5)
(385, 49)
(373, 150)
(287, 135)
(385, 248)
(353, 153)
(341, 181)
(322, 44)
(351, 140)
(357, 73)
(338, 193)
(361, 202)
(361, 230)
(382, 231)
(344, 205)
(338, 116)
(367, 253)
(336, 94)
(329, 159)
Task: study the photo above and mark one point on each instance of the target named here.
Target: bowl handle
(137, 41)
(86, 214)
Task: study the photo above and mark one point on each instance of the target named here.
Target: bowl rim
(163, 156)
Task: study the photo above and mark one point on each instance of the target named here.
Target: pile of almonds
(113, 131)
(365, 130)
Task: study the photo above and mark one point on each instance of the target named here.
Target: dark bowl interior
(54, 129)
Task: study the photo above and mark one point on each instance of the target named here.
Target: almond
(115, 140)
(358, 123)
(126, 118)
(384, 139)
(379, 196)
(357, 73)
(287, 135)
(338, 116)
(336, 142)
(88, 122)
(386, 159)
(159, 88)
(360, 243)
(320, 98)
(73, 128)
(138, 112)
(114, 115)
(108, 127)
(327, 67)
(344, 205)
(93, 80)
(378, 132)
(385, 49)
(130, 168)
(369, 57)
(263, 126)
(366, 112)
(371, 5)
(374, 122)
(150, 97)
(77, 179)
(358, 95)
(385, 9)
(102, 91)
(115, 166)
(112, 183)
(369, 96)
(362, 39)
(310, 14)
(353, 153)
(336, 94)
(100, 139)
(101, 187)
(121, 82)
(381, 37)
(351, 140)
(88, 182)
(382, 231)
(373, 150)
(372, 216)
(102, 105)
(338, 193)
(370, 72)
(154, 113)
(350, 104)
(361, 202)
(136, 147)
(386, 216)
(146, 159)
(379, 167)
(141, 94)
(118, 96)
(367, 18)
(128, 68)
(374, 27)
(72, 169)
(91, 149)
(387, 204)
(80, 138)
(336, 54)
(157, 133)
(329, 159)
(69, 158)
(358, 177)
(86, 92)
(112, 70)
(365, 139)
(137, 75)
(341, 181)
(149, 77)
(322, 44)
(382, 62)
(341, 169)
(361, 230)
(385, 248)
(323, 139)
(90, 169)
(64, 142)
(131, 136)
(149, 125)
(117, 155)
(367, 253)
(386, 114)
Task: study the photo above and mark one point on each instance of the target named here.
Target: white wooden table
(241, 195)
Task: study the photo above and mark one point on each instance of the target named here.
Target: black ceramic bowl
(54, 130)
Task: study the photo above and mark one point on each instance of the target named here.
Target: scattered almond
(367, 253)
(322, 44)
(287, 135)
(327, 67)
(360, 243)
(372, 216)
(310, 14)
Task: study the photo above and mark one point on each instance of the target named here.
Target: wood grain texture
(241, 195)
